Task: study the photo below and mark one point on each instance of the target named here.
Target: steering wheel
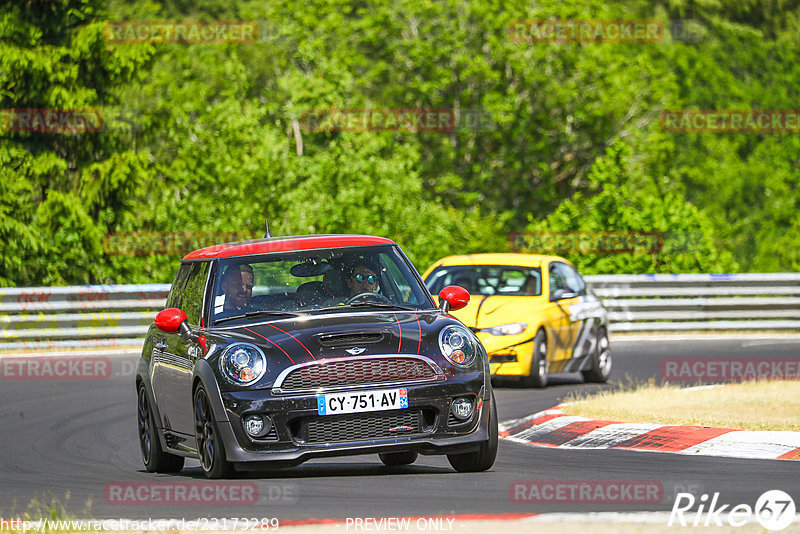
(363, 296)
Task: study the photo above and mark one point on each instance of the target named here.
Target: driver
(237, 286)
(363, 279)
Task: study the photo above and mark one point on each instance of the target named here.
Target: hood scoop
(347, 340)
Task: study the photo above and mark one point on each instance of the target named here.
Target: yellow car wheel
(540, 367)
(601, 359)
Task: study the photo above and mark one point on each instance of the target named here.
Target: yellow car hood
(486, 312)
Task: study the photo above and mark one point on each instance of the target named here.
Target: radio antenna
(266, 222)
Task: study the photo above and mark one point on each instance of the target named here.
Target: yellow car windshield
(488, 279)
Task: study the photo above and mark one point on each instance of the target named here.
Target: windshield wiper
(366, 305)
(381, 305)
(273, 313)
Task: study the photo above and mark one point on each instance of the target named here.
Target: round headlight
(457, 345)
(243, 364)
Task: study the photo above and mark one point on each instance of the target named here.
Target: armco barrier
(670, 302)
(119, 315)
(78, 316)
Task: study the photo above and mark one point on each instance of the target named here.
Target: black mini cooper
(289, 348)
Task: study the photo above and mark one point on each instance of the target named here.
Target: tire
(601, 359)
(154, 458)
(483, 458)
(396, 459)
(540, 367)
(210, 448)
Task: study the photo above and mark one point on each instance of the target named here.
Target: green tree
(61, 196)
(621, 202)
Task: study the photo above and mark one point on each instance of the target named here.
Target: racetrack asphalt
(76, 438)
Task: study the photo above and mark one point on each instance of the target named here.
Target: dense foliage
(209, 138)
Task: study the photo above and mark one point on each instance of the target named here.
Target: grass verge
(43, 517)
(753, 405)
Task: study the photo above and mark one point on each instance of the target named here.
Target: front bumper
(513, 360)
(299, 433)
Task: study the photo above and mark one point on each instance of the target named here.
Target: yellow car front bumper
(514, 360)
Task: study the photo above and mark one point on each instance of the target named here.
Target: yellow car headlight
(510, 329)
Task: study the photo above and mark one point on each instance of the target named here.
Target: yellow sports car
(531, 312)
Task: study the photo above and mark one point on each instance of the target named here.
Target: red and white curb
(553, 428)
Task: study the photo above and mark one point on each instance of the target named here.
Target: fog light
(462, 408)
(257, 425)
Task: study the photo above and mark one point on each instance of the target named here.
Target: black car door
(173, 380)
(162, 354)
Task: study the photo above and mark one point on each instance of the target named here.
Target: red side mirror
(170, 319)
(456, 296)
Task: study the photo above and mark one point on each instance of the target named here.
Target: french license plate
(362, 401)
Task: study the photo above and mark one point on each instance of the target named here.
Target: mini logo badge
(355, 351)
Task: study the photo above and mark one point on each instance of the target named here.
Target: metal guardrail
(119, 315)
(78, 316)
(672, 302)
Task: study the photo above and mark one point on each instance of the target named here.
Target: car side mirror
(453, 298)
(560, 294)
(173, 320)
(170, 320)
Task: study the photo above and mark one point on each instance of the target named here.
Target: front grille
(340, 340)
(357, 371)
(359, 427)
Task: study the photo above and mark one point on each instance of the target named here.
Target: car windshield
(488, 279)
(316, 281)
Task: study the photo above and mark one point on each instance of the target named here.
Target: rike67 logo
(774, 510)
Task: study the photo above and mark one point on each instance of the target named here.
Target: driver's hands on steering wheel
(366, 296)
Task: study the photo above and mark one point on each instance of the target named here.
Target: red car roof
(284, 244)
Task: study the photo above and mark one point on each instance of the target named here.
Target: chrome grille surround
(357, 372)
